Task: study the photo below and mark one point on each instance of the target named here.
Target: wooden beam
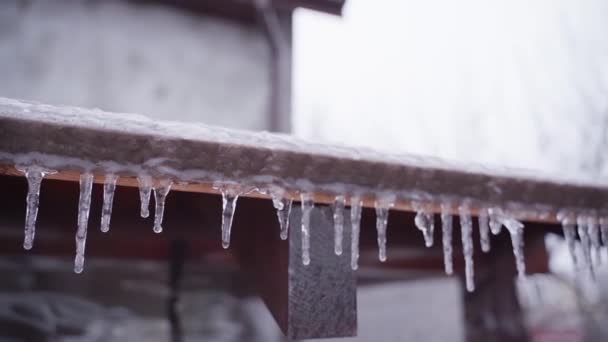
(73, 140)
(312, 301)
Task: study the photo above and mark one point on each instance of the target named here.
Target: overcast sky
(515, 83)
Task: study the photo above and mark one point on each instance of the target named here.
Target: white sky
(516, 83)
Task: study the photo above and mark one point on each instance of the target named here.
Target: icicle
(34, 176)
(424, 221)
(109, 186)
(594, 236)
(84, 206)
(145, 188)
(160, 194)
(583, 234)
(446, 231)
(516, 230)
(307, 206)
(484, 231)
(569, 229)
(283, 207)
(339, 203)
(466, 232)
(355, 221)
(604, 230)
(495, 224)
(229, 198)
(382, 207)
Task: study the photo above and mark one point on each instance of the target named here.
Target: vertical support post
(314, 301)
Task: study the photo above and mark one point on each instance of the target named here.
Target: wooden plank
(74, 140)
(313, 301)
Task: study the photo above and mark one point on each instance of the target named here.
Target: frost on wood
(338, 206)
(484, 230)
(383, 204)
(446, 231)
(84, 206)
(282, 205)
(160, 195)
(307, 206)
(425, 222)
(355, 221)
(145, 189)
(109, 186)
(466, 232)
(34, 176)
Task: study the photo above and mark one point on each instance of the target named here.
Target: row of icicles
(489, 220)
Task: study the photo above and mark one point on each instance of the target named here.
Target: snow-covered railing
(88, 146)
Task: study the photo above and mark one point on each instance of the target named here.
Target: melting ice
(307, 206)
(160, 194)
(84, 206)
(569, 228)
(283, 208)
(446, 231)
(382, 207)
(339, 203)
(34, 176)
(424, 221)
(145, 189)
(109, 186)
(466, 228)
(355, 221)
(484, 230)
(583, 234)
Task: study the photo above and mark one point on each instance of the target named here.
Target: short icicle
(84, 206)
(283, 208)
(160, 195)
(229, 197)
(145, 189)
(569, 229)
(484, 231)
(494, 221)
(34, 176)
(339, 203)
(446, 231)
(307, 206)
(425, 222)
(383, 204)
(583, 234)
(466, 232)
(109, 186)
(355, 221)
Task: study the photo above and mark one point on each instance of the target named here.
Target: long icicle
(229, 198)
(84, 206)
(569, 229)
(446, 231)
(307, 204)
(382, 208)
(355, 221)
(583, 234)
(466, 232)
(109, 186)
(160, 195)
(516, 230)
(339, 203)
(34, 176)
(145, 189)
(594, 236)
(484, 231)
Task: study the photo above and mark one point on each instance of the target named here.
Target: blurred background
(507, 83)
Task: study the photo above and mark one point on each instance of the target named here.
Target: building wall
(148, 59)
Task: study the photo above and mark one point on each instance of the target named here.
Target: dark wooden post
(492, 312)
(314, 301)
